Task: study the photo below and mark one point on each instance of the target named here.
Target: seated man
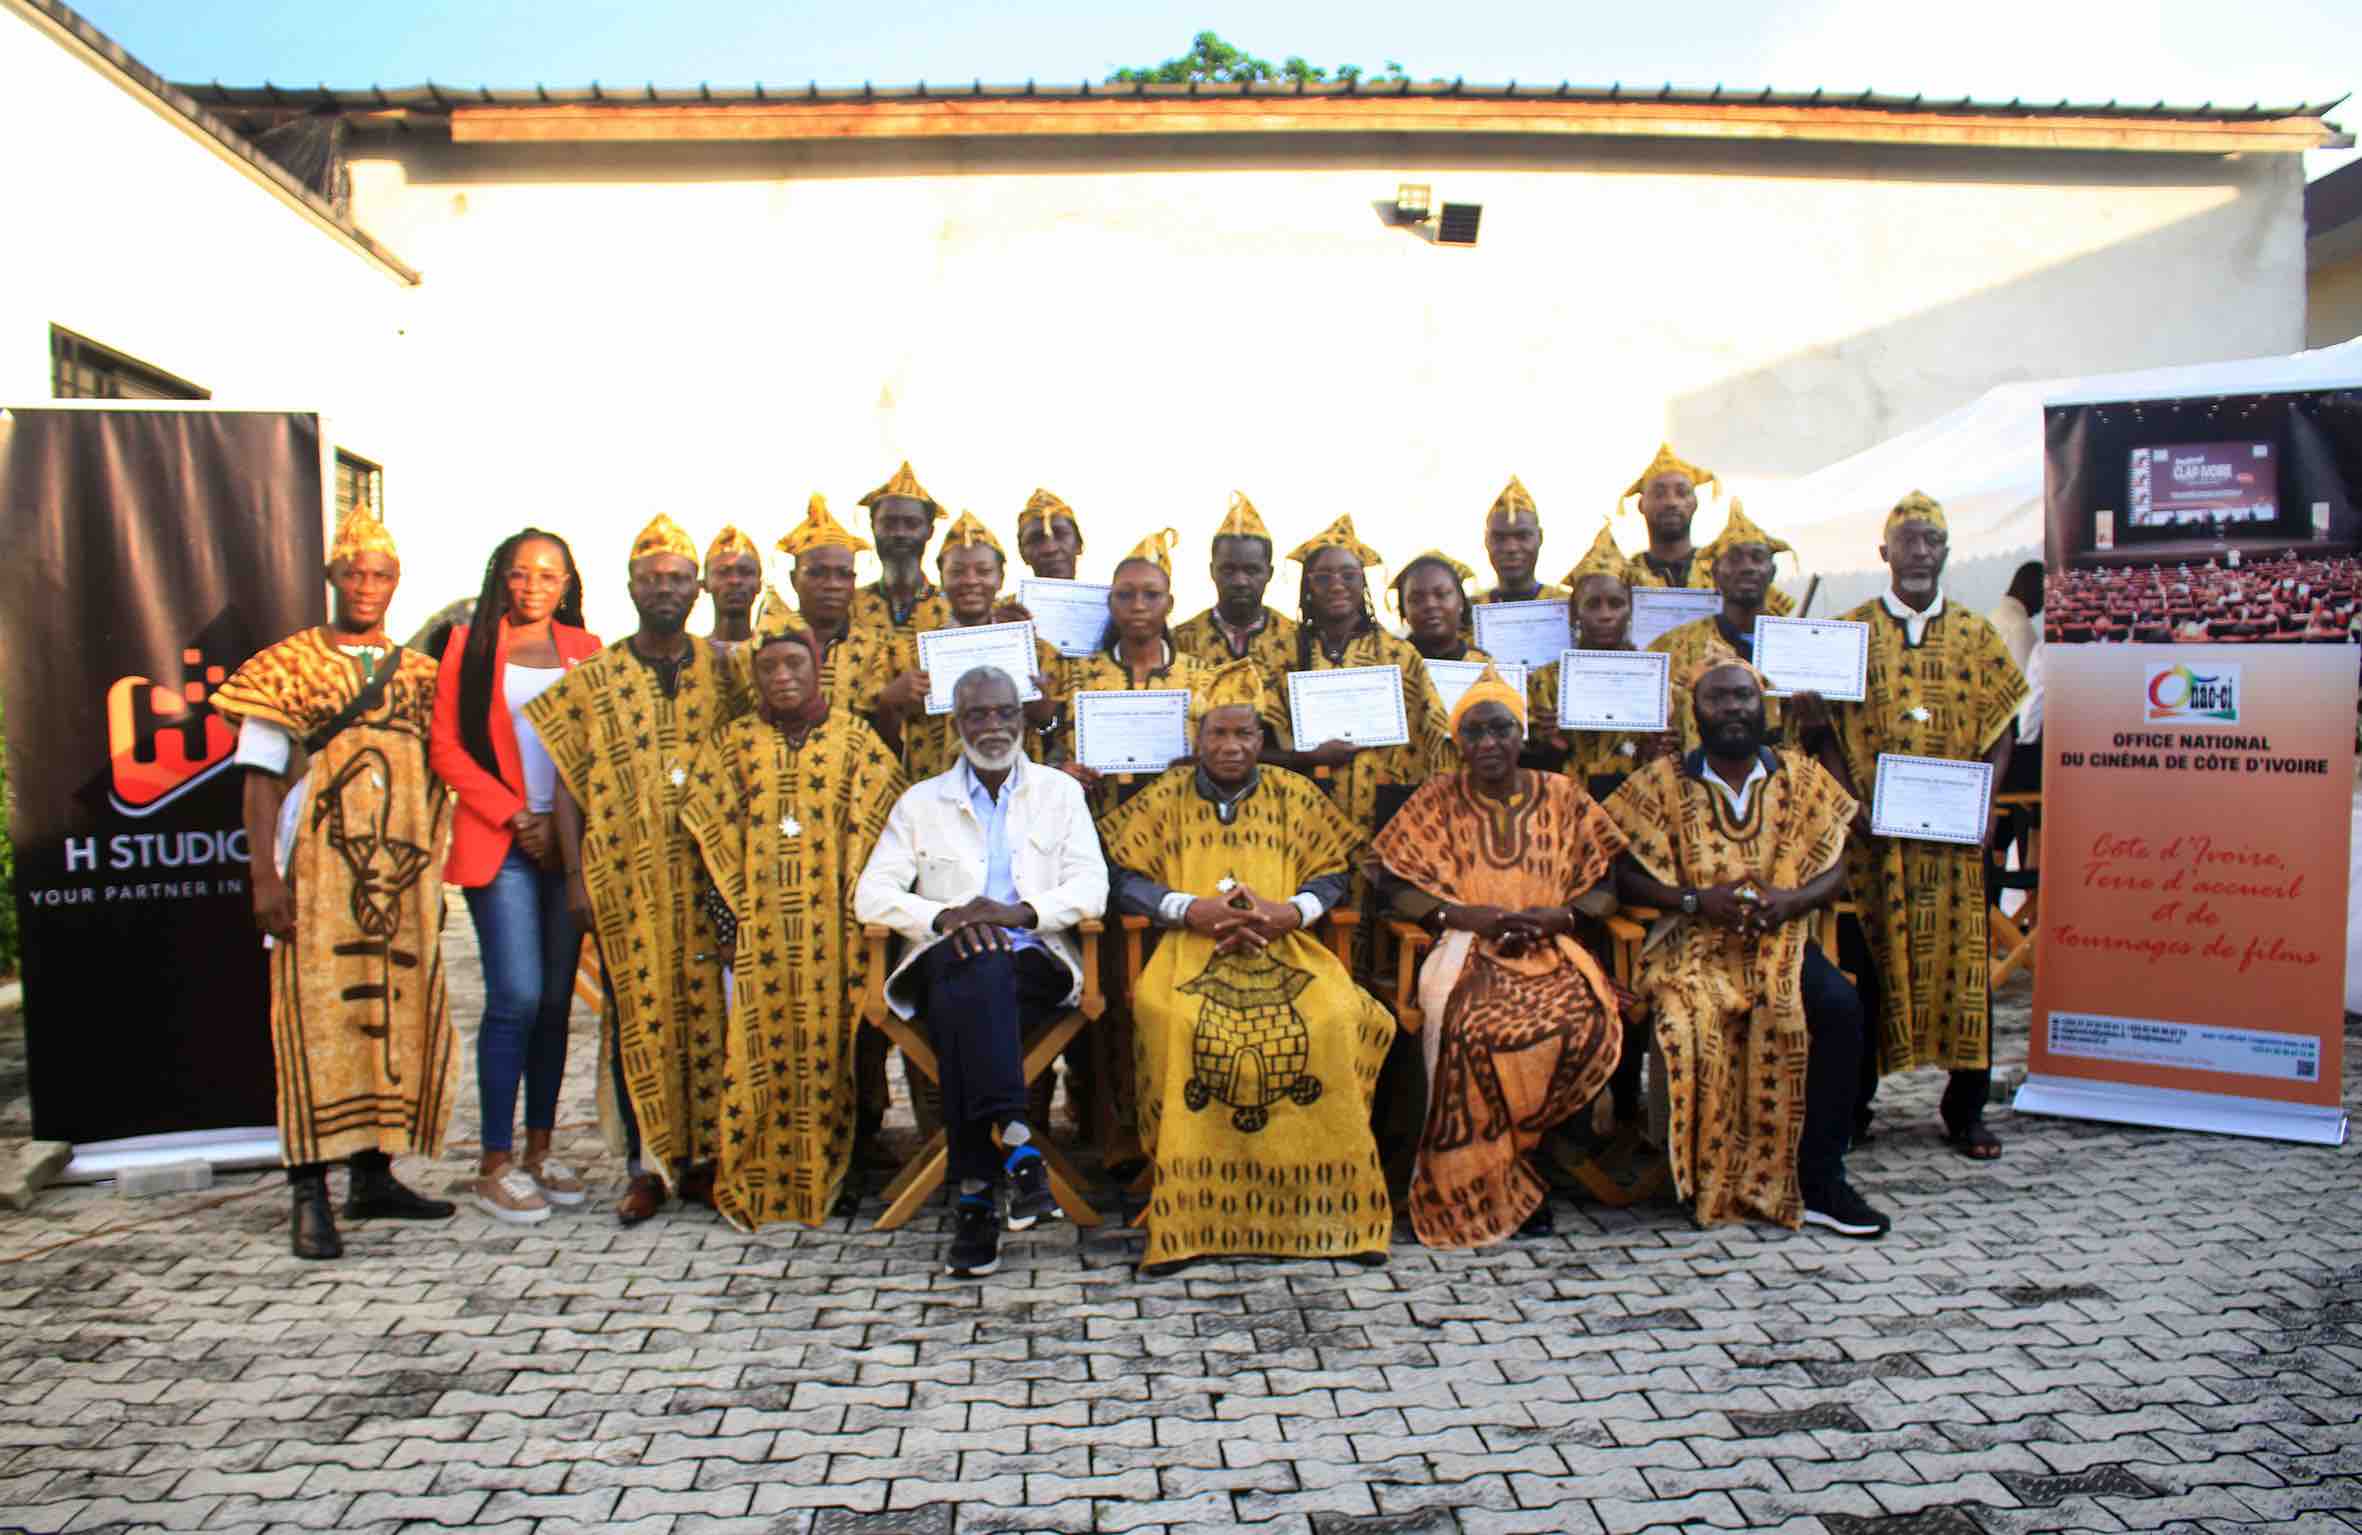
(1761, 1034)
(1257, 1055)
(985, 871)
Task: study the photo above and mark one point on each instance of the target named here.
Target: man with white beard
(985, 872)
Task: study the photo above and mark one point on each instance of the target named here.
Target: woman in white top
(504, 856)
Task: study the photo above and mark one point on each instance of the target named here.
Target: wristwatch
(1689, 903)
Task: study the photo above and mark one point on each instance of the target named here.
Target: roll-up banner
(150, 551)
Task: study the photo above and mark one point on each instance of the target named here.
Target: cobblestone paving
(2108, 1329)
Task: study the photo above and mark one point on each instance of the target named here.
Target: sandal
(1974, 1141)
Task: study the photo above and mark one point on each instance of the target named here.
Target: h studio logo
(161, 743)
(2181, 695)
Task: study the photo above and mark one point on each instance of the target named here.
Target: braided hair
(483, 640)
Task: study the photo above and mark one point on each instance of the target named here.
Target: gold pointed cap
(1918, 506)
(728, 545)
(1603, 558)
(903, 483)
(777, 618)
(1042, 505)
(1337, 535)
(1667, 462)
(1242, 520)
(1742, 529)
(1488, 688)
(819, 530)
(1514, 498)
(967, 530)
(662, 535)
(1156, 549)
(1238, 684)
(1718, 656)
(361, 533)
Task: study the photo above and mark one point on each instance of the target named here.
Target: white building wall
(716, 331)
(129, 227)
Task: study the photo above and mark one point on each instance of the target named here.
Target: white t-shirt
(522, 685)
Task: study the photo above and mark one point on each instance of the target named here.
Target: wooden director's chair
(1140, 937)
(923, 1174)
(2012, 937)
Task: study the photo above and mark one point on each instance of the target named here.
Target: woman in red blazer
(504, 856)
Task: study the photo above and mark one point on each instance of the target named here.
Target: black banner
(148, 553)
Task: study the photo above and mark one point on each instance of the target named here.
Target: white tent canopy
(1984, 463)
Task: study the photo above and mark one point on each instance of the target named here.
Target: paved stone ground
(2108, 1329)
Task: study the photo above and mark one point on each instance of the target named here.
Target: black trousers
(1835, 1023)
(978, 1011)
(1967, 1089)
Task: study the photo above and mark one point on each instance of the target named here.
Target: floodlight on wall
(1458, 224)
(1411, 203)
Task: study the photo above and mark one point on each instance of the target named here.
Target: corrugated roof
(433, 97)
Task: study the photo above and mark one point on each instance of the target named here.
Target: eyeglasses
(1491, 730)
(977, 716)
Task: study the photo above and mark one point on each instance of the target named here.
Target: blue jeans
(530, 944)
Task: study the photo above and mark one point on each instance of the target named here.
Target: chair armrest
(1134, 928)
(1411, 943)
(873, 992)
(1093, 1001)
(1343, 922)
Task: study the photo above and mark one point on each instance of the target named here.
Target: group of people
(724, 814)
(2284, 600)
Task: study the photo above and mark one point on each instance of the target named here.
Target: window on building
(81, 369)
(358, 483)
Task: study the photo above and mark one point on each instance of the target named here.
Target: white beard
(994, 762)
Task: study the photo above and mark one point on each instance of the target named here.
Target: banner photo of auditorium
(150, 552)
(2201, 616)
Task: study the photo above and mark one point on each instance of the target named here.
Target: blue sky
(2184, 50)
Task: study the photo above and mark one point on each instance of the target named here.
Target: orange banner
(2197, 805)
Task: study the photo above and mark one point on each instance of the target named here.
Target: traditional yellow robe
(1103, 673)
(1515, 1044)
(1728, 1009)
(785, 829)
(624, 752)
(360, 1025)
(1592, 756)
(1923, 903)
(1271, 648)
(931, 742)
(1256, 1069)
(1701, 579)
(932, 610)
(1688, 644)
(857, 668)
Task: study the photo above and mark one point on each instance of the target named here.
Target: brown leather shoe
(642, 1197)
(697, 1186)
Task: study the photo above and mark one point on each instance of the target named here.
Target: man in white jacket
(985, 872)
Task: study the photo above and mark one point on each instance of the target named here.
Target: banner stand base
(227, 1150)
(2168, 1108)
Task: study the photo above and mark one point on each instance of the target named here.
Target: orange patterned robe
(360, 1024)
(1519, 1044)
(1728, 1008)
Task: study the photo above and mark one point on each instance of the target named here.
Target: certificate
(1452, 678)
(1827, 656)
(1360, 705)
(946, 655)
(1529, 633)
(1131, 732)
(1931, 799)
(1656, 609)
(1072, 615)
(1614, 689)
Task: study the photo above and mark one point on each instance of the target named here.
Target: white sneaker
(511, 1195)
(557, 1182)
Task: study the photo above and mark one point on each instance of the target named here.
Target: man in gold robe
(1760, 1034)
(733, 579)
(902, 517)
(1513, 543)
(346, 827)
(973, 566)
(1739, 562)
(623, 729)
(1668, 499)
(1258, 1056)
(861, 662)
(786, 805)
(1049, 537)
(1940, 684)
(1238, 625)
